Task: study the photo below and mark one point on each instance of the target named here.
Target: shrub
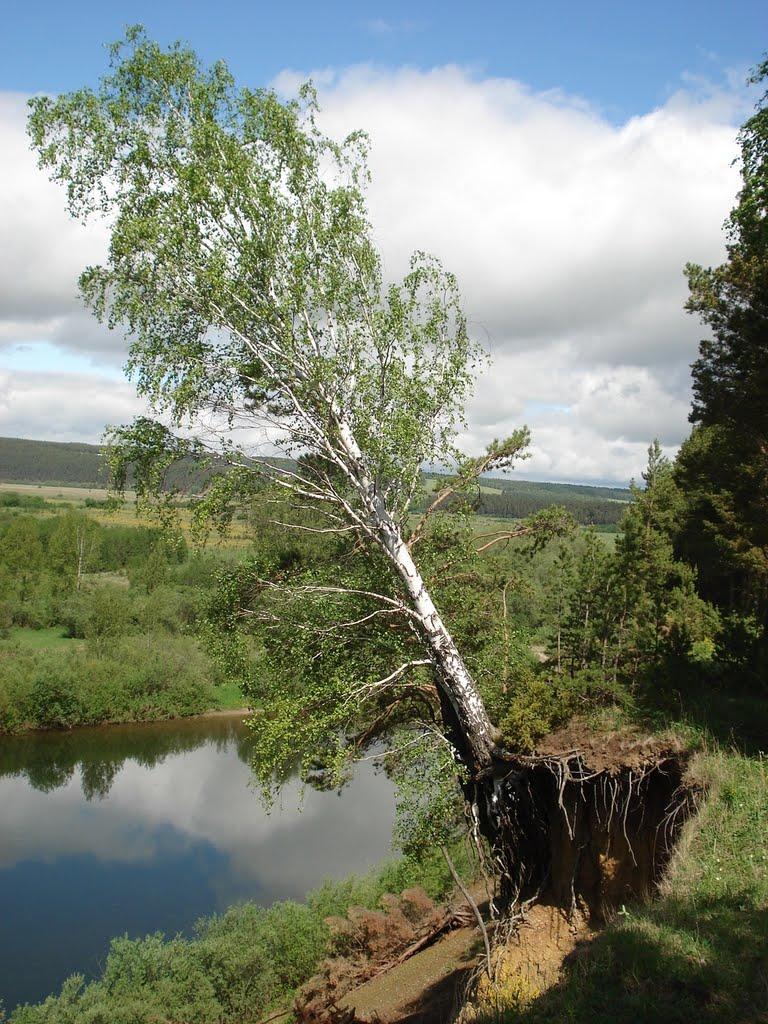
(164, 608)
(15, 688)
(132, 679)
(537, 705)
(53, 701)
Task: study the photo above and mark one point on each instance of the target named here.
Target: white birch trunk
(458, 686)
(453, 673)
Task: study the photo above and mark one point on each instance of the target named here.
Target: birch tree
(242, 266)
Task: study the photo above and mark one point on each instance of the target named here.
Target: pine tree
(723, 466)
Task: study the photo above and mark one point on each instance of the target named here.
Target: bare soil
(610, 752)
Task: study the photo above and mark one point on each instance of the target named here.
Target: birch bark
(476, 732)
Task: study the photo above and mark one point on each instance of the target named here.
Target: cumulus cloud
(557, 222)
(63, 406)
(42, 250)
(568, 234)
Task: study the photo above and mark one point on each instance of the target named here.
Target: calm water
(135, 829)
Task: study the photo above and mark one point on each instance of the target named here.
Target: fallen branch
(475, 909)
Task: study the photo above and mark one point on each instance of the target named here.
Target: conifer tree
(723, 466)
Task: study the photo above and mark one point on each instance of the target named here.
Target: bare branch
(503, 535)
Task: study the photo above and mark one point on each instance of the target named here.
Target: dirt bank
(592, 822)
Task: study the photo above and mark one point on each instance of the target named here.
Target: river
(143, 828)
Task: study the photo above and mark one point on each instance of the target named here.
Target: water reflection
(143, 828)
(49, 760)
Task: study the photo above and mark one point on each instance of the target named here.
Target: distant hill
(72, 464)
(75, 464)
(51, 462)
(515, 499)
(551, 490)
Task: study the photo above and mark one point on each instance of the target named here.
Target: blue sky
(625, 57)
(564, 159)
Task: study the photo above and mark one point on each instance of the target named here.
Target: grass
(238, 536)
(608, 540)
(48, 639)
(229, 697)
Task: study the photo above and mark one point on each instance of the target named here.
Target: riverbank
(133, 679)
(235, 713)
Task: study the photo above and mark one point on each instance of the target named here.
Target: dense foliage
(97, 622)
(723, 467)
(141, 679)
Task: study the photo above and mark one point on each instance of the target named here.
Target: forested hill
(75, 464)
(72, 464)
(51, 462)
(516, 499)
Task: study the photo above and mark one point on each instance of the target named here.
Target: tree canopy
(723, 467)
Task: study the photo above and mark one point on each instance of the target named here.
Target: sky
(564, 160)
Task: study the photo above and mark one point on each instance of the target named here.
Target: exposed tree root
(584, 830)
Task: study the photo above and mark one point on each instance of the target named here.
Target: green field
(69, 493)
(52, 638)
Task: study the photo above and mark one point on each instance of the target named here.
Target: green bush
(12, 499)
(131, 679)
(538, 704)
(53, 701)
(15, 688)
(102, 612)
(168, 609)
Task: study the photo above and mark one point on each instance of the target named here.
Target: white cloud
(206, 795)
(42, 250)
(63, 406)
(568, 234)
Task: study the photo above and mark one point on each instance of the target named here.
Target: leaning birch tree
(242, 267)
